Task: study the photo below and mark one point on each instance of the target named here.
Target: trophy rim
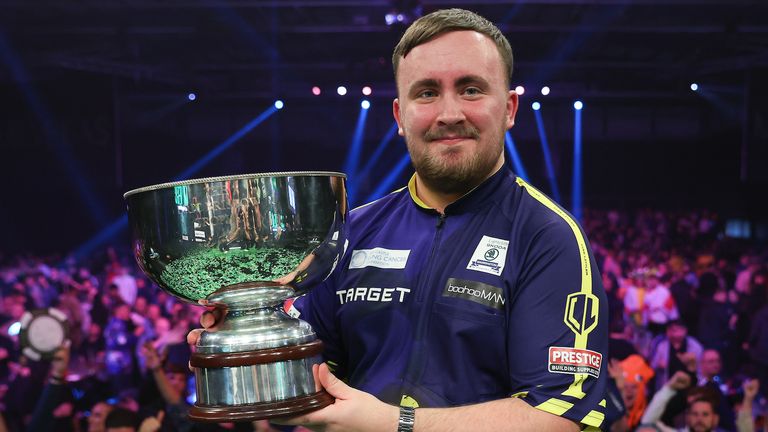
(233, 177)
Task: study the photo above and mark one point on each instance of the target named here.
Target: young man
(468, 296)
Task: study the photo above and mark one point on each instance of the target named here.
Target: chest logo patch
(379, 257)
(490, 256)
(477, 292)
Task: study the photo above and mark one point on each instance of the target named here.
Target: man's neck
(440, 200)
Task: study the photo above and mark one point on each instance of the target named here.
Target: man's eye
(427, 94)
(472, 91)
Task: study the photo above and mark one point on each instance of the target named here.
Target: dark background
(93, 100)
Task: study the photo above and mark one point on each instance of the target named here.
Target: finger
(193, 336)
(209, 319)
(160, 416)
(316, 376)
(334, 386)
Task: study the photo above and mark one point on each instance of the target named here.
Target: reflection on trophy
(245, 243)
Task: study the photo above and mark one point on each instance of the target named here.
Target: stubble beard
(453, 171)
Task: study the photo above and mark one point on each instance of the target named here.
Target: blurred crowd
(687, 310)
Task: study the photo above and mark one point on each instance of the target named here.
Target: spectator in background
(661, 305)
(757, 344)
(715, 329)
(126, 285)
(700, 414)
(670, 352)
(709, 376)
(120, 345)
(631, 377)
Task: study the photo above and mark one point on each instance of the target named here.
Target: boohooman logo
(581, 313)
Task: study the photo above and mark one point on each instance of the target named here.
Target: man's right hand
(679, 381)
(210, 319)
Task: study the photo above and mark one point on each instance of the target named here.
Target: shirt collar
(471, 199)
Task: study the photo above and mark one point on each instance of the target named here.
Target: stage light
(367, 90)
(694, 87)
(279, 104)
(520, 90)
(545, 90)
(341, 90)
(536, 106)
(365, 104)
(389, 18)
(191, 96)
(316, 91)
(14, 329)
(578, 105)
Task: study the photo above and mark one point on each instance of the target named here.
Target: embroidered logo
(379, 257)
(477, 292)
(490, 256)
(574, 361)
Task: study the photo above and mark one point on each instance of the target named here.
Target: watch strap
(407, 419)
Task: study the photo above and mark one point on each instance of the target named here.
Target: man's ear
(396, 114)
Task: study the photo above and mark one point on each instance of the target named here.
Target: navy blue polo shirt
(500, 296)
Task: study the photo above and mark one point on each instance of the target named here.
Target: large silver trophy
(245, 243)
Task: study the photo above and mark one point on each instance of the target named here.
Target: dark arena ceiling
(93, 97)
(593, 48)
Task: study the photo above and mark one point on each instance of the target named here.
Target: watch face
(43, 331)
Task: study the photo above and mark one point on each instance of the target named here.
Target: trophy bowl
(245, 244)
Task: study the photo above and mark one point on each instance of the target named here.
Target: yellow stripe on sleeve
(555, 406)
(593, 418)
(579, 325)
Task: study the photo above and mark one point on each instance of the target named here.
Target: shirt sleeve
(558, 334)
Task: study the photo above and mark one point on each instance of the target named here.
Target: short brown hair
(443, 21)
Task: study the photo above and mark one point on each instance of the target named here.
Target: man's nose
(451, 111)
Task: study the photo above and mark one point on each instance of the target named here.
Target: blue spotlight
(694, 87)
(547, 156)
(103, 236)
(122, 222)
(536, 106)
(353, 157)
(386, 185)
(365, 104)
(53, 136)
(279, 104)
(191, 96)
(203, 161)
(577, 184)
(379, 150)
(517, 163)
(578, 105)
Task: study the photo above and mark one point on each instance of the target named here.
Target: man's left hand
(353, 410)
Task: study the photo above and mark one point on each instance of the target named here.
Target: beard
(453, 170)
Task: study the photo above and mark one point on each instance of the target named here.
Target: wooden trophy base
(266, 410)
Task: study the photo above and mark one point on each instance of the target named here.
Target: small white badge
(379, 257)
(490, 256)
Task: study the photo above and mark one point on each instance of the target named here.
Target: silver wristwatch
(406, 420)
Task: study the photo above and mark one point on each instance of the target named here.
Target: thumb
(160, 416)
(334, 386)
